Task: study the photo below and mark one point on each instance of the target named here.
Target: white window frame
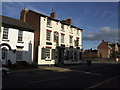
(62, 27)
(49, 23)
(20, 36)
(71, 40)
(48, 35)
(71, 30)
(5, 33)
(78, 32)
(47, 53)
(62, 38)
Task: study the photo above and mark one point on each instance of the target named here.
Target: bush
(114, 55)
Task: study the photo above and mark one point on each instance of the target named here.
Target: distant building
(55, 41)
(16, 41)
(89, 53)
(105, 49)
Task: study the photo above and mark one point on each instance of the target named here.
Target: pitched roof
(55, 19)
(15, 23)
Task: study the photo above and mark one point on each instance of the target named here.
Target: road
(82, 76)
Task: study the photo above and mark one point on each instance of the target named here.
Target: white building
(16, 41)
(55, 41)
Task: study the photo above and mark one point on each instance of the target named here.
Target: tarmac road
(75, 76)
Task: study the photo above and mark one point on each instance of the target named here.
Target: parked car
(4, 71)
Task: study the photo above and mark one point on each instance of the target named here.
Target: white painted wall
(56, 26)
(28, 43)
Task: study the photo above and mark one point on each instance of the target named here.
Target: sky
(99, 20)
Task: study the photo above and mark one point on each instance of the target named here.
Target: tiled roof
(15, 23)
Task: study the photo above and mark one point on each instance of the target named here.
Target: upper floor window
(20, 35)
(48, 23)
(77, 32)
(62, 38)
(56, 37)
(71, 30)
(71, 39)
(48, 35)
(77, 42)
(5, 33)
(62, 27)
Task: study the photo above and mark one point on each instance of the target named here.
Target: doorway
(60, 56)
(4, 55)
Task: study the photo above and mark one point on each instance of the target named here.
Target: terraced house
(16, 41)
(55, 41)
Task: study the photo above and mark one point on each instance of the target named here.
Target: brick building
(55, 41)
(105, 49)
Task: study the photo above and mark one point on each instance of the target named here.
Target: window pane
(48, 35)
(47, 53)
(71, 54)
(62, 38)
(75, 55)
(56, 37)
(20, 35)
(71, 39)
(62, 26)
(5, 33)
(48, 22)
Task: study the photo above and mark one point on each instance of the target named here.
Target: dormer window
(5, 33)
(48, 23)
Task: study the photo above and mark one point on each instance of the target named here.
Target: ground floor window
(71, 54)
(47, 53)
(75, 55)
(66, 55)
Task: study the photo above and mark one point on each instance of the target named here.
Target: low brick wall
(100, 60)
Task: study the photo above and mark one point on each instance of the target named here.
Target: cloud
(105, 33)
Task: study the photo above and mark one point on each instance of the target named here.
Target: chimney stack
(53, 15)
(102, 40)
(69, 21)
(23, 15)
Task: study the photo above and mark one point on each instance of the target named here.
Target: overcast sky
(99, 20)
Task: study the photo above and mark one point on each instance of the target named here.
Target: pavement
(66, 68)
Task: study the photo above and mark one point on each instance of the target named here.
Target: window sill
(49, 26)
(20, 42)
(5, 40)
(48, 43)
(63, 30)
(47, 59)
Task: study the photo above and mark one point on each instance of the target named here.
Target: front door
(4, 55)
(60, 56)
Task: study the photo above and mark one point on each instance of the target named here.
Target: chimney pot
(53, 15)
(69, 21)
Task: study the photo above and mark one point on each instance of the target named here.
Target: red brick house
(105, 49)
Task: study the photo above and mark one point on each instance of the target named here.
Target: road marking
(89, 72)
(47, 80)
(96, 85)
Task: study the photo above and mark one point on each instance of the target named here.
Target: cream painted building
(55, 41)
(16, 41)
